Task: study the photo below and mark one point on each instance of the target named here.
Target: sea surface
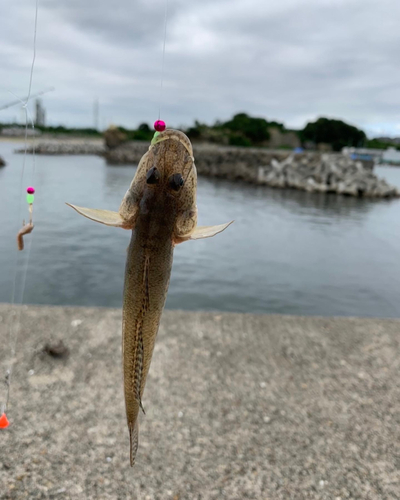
(288, 251)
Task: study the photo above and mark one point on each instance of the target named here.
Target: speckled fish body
(149, 262)
(148, 270)
(160, 209)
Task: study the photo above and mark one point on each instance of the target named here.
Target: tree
(143, 127)
(255, 130)
(334, 132)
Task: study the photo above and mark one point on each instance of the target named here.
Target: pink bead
(159, 125)
(30, 190)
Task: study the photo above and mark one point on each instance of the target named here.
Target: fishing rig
(26, 229)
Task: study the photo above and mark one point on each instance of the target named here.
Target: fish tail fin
(133, 440)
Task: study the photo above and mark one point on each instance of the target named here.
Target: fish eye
(176, 182)
(153, 176)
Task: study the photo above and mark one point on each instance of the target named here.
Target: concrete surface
(237, 407)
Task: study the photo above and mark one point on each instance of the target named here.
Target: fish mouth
(175, 135)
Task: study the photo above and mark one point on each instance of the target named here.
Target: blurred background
(298, 80)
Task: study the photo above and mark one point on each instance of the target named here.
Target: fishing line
(13, 103)
(163, 58)
(34, 52)
(159, 125)
(15, 322)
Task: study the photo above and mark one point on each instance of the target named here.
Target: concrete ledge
(238, 406)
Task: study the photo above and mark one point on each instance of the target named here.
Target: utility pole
(96, 113)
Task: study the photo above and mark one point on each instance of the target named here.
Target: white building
(391, 156)
(40, 117)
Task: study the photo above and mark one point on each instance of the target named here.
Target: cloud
(290, 61)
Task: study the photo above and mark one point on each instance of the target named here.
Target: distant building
(391, 156)
(280, 139)
(364, 154)
(40, 117)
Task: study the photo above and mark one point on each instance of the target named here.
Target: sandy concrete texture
(237, 407)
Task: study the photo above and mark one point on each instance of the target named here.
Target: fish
(160, 209)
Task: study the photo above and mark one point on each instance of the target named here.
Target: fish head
(164, 188)
(165, 183)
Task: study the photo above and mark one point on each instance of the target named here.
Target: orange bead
(4, 423)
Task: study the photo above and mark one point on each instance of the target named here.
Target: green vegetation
(245, 130)
(60, 129)
(377, 144)
(241, 130)
(336, 133)
(142, 133)
(248, 130)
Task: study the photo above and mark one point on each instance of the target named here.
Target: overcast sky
(291, 60)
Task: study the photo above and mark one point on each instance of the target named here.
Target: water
(288, 252)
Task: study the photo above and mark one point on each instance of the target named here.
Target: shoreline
(307, 171)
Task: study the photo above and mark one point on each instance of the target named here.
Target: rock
(2, 162)
(332, 173)
(66, 147)
(310, 184)
(114, 137)
(56, 350)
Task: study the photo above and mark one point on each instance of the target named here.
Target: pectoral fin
(203, 232)
(106, 217)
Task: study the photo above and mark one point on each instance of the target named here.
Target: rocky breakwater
(308, 171)
(225, 162)
(126, 153)
(66, 147)
(326, 173)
